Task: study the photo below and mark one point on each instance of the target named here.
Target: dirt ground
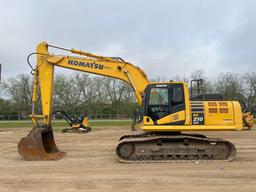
(91, 165)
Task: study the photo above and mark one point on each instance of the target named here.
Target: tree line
(80, 92)
(77, 93)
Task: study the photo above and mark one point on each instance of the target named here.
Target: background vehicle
(166, 111)
(77, 124)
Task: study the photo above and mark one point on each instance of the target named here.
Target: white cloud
(166, 38)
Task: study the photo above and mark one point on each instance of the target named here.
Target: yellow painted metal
(215, 116)
(100, 65)
(224, 113)
(175, 117)
(187, 104)
(238, 114)
(227, 115)
(35, 85)
(111, 68)
(85, 122)
(170, 128)
(46, 76)
(147, 121)
(54, 59)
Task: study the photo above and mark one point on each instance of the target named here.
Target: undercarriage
(155, 147)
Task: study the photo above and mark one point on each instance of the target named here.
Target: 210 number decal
(197, 118)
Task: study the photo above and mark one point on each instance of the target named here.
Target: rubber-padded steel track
(164, 148)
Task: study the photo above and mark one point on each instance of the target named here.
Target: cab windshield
(158, 96)
(158, 103)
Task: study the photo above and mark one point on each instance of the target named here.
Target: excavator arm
(86, 62)
(39, 144)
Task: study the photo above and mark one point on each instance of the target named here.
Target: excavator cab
(162, 100)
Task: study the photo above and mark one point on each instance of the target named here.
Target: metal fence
(90, 116)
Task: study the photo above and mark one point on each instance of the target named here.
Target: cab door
(177, 104)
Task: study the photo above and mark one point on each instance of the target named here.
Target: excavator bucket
(39, 145)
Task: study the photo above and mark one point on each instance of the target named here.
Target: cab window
(158, 103)
(177, 98)
(158, 96)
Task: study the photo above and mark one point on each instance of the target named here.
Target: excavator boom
(39, 144)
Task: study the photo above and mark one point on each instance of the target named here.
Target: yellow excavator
(76, 124)
(167, 111)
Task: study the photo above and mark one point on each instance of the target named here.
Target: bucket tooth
(39, 145)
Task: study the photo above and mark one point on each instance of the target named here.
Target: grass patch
(62, 124)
